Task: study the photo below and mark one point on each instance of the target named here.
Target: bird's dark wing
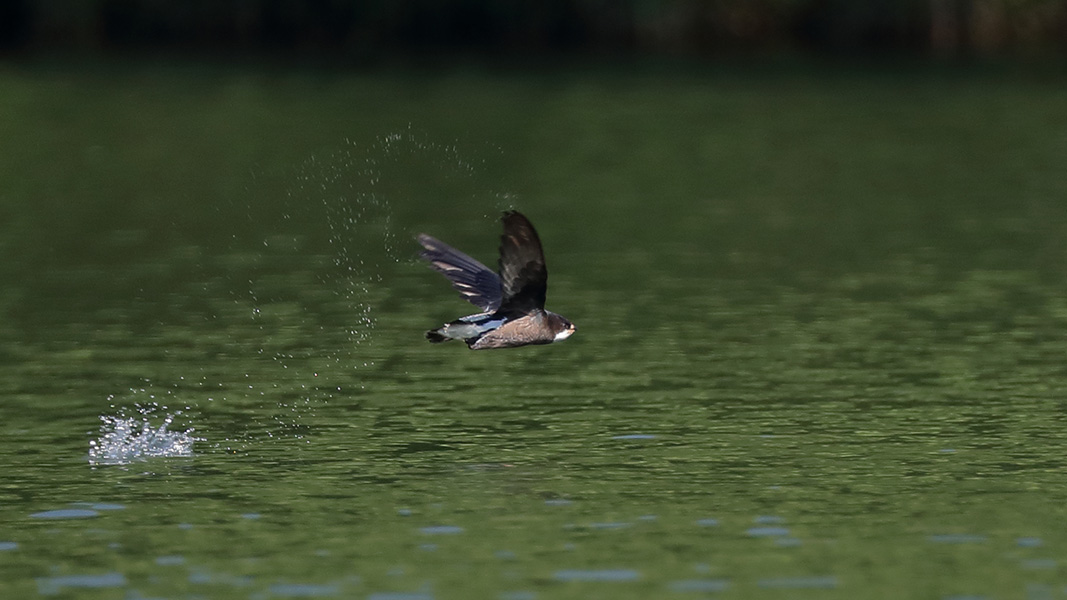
(477, 283)
(523, 275)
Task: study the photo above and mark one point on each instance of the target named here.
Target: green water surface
(821, 347)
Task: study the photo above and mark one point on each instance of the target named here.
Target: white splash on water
(125, 439)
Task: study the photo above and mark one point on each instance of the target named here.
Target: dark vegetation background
(376, 30)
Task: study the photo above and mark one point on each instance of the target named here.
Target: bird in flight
(512, 302)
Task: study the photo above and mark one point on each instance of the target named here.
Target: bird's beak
(566, 333)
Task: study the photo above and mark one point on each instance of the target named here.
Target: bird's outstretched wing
(478, 284)
(523, 275)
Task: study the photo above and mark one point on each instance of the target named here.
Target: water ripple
(596, 575)
(304, 590)
(700, 585)
(441, 530)
(65, 513)
(956, 538)
(819, 582)
(767, 531)
(51, 586)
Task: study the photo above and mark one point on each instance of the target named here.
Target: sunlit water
(797, 373)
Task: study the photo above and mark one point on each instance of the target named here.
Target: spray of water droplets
(348, 205)
(361, 188)
(125, 439)
(358, 187)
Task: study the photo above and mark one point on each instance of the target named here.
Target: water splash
(125, 439)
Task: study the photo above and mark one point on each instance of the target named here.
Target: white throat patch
(566, 333)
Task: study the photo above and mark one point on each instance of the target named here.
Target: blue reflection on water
(819, 582)
(8, 545)
(170, 561)
(66, 513)
(400, 596)
(700, 585)
(1039, 591)
(304, 590)
(956, 538)
(708, 522)
(634, 436)
(619, 525)
(105, 506)
(596, 575)
(441, 530)
(201, 576)
(50, 586)
(767, 531)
